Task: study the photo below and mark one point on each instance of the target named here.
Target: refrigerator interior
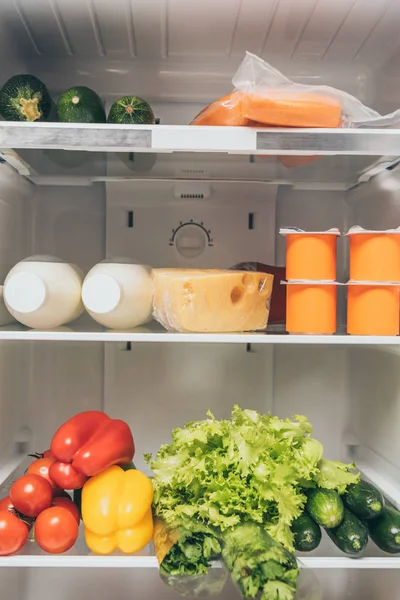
(85, 206)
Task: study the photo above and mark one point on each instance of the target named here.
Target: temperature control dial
(191, 238)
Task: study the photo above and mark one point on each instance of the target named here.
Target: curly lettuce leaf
(219, 474)
(335, 475)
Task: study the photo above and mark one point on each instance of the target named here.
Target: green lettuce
(335, 475)
(252, 470)
(219, 474)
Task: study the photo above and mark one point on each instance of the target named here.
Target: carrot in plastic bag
(292, 109)
(224, 111)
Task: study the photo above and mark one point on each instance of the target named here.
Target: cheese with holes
(201, 300)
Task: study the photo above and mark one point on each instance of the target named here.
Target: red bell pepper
(87, 444)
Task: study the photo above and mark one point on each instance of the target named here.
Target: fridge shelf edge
(145, 562)
(159, 335)
(186, 138)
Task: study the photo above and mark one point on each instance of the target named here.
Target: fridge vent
(193, 171)
(192, 190)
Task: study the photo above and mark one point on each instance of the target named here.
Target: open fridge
(88, 192)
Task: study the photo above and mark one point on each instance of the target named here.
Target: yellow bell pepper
(116, 511)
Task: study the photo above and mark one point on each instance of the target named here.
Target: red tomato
(64, 475)
(6, 504)
(13, 533)
(69, 505)
(31, 494)
(56, 530)
(41, 467)
(45, 454)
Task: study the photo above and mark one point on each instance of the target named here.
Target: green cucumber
(385, 530)
(307, 533)
(364, 499)
(351, 536)
(80, 105)
(25, 98)
(325, 507)
(131, 110)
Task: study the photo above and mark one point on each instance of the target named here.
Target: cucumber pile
(348, 519)
(26, 98)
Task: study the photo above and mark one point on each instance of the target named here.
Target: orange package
(224, 111)
(281, 108)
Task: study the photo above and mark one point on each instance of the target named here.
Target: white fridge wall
(183, 51)
(15, 242)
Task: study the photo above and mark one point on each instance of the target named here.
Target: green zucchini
(385, 530)
(307, 533)
(351, 536)
(364, 499)
(25, 98)
(325, 507)
(131, 110)
(80, 105)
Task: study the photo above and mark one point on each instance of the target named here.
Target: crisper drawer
(145, 584)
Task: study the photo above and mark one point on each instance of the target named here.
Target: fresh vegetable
(131, 110)
(65, 474)
(69, 505)
(45, 454)
(224, 111)
(183, 552)
(87, 444)
(335, 475)
(24, 98)
(41, 467)
(385, 530)
(116, 511)
(216, 476)
(6, 504)
(31, 494)
(80, 105)
(251, 467)
(307, 533)
(13, 533)
(258, 565)
(364, 499)
(325, 507)
(286, 108)
(56, 530)
(351, 536)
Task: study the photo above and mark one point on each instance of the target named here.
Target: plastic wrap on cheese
(202, 300)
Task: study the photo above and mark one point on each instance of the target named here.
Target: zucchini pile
(26, 98)
(348, 519)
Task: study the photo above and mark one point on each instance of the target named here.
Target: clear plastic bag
(264, 97)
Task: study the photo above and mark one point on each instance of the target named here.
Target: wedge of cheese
(197, 300)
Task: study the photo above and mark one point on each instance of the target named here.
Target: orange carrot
(225, 111)
(290, 109)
